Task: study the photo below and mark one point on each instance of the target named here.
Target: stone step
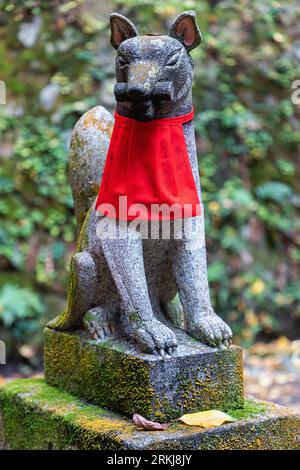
(39, 417)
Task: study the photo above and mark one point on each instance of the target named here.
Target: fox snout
(162, 91)
(144, 102)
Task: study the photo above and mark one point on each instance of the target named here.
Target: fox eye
(173, 58)
(122, 60)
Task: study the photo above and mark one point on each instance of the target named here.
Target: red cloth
(148, 162)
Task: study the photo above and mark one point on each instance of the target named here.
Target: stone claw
(98, 324)
(162, 352)
(210, 329)
(152, 336)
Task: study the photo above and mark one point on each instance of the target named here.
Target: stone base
(37, 416)
(115, 375)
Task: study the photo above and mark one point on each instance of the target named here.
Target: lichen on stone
(38, 416)
(109, 374)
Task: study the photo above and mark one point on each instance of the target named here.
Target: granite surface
(112, 373)
(37, 416)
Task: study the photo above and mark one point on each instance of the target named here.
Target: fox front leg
(124, 256)
(190, 271)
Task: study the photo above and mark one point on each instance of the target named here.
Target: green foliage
(36, 203)
(248, 138)
(21, 319)
(18, 306)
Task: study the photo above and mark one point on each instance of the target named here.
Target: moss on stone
(65, 319)
(90, 119)
(134, 317)
(251, 407)
(124, 379)
(217, 384)
(38, 416)
(82, 242)
(107, 374)
(278, 433)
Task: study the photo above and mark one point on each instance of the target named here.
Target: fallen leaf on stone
(148, 425)
(206, 419)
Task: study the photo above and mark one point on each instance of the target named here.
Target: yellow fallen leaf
(206, 419)
(257, 287)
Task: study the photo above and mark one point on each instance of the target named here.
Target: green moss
(82, 238)
(124, 379)
(66, 319)
(134, 317)
(276, 433)
(251, 408)
(53, 419)
(107, 374)
(217, 384)
(38, 416)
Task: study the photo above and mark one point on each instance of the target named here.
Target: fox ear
(185, 29)
(121, 29)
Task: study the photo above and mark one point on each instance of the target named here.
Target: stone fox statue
(127, 285)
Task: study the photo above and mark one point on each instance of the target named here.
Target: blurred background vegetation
(57, 63)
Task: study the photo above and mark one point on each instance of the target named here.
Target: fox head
(154, 72)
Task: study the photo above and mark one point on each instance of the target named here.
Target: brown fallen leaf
(144, 423)
(206, 419)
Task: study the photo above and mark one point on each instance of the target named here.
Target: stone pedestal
(114, 375)
(37, 416)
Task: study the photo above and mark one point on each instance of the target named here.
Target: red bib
(148, 164)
